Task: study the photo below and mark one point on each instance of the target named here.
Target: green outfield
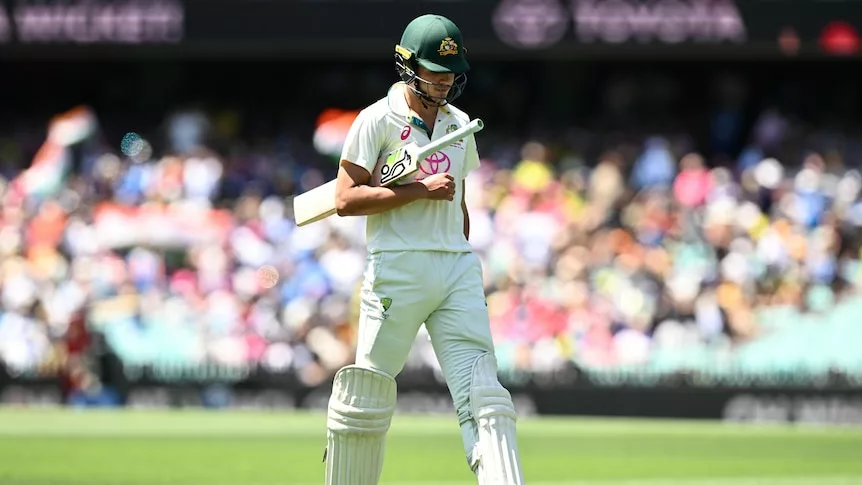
(51, 447)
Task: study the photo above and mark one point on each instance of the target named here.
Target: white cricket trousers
(401, 290)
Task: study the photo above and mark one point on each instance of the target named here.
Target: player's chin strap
(431, 101)
(360, 413)
(426, 99)
(490, 436)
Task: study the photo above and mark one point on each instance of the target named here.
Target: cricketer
(420, 269)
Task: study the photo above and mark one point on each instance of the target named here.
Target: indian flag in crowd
(49, 167)
(331, 131)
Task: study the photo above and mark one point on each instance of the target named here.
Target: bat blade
(315, 205)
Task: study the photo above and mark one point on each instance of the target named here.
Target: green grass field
(51, 447)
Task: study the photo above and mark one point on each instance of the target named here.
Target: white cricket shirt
(422, 225)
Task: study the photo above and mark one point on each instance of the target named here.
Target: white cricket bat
(319, 203)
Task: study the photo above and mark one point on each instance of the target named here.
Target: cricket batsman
(420, 269)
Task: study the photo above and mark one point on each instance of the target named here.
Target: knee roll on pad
(495, 456)
(360, 413)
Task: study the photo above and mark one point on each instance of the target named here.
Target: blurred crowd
(649, 255)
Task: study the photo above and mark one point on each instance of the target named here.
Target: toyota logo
(437, 162)
(530, 24)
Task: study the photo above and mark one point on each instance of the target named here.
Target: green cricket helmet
(433, 42)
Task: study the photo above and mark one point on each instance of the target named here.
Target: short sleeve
(362, 145)
(471, 157)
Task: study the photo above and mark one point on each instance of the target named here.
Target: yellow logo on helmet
(448, 47)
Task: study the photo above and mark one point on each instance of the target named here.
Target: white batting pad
(498, 461)
(360, 412)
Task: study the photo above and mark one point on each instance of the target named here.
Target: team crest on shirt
(450, 129)
(448, 47)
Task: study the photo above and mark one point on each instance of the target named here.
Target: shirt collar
(397, 101)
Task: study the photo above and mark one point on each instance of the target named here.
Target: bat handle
(473, 126)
